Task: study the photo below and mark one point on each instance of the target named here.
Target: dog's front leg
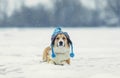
(68, 61)
(46, 53)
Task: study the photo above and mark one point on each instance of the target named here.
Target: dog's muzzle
(61, 44)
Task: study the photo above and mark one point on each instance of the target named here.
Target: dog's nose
(61, 43)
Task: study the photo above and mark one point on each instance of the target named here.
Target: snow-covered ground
(97, 53)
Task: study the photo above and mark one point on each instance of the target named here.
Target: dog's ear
(53, 41)
(68, 41)
(68, 38)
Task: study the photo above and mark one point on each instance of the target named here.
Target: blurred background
(26, 27)
(68, 13)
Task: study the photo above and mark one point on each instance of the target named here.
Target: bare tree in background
(19, 4)
(3, 10)
(114, 8)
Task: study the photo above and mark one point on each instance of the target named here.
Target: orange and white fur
(62, 50)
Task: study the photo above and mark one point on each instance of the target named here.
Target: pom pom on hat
(56, 31)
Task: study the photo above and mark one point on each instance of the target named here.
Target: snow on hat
(57, 31)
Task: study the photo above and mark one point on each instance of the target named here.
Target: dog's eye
(57, 38)
(63, 38)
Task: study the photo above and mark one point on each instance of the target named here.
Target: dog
(59, 51)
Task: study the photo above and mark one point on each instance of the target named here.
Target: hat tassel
(53, 54)
(72, 54)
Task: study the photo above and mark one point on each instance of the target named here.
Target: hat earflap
(53, 54)
(72, 53)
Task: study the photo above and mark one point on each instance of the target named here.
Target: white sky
(16, 4)
(89, 3)
(48, 3)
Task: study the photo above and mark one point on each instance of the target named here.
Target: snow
(97, 53)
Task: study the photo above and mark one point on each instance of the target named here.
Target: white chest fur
(62, 54)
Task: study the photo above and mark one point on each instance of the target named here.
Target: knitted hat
(55, 33)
